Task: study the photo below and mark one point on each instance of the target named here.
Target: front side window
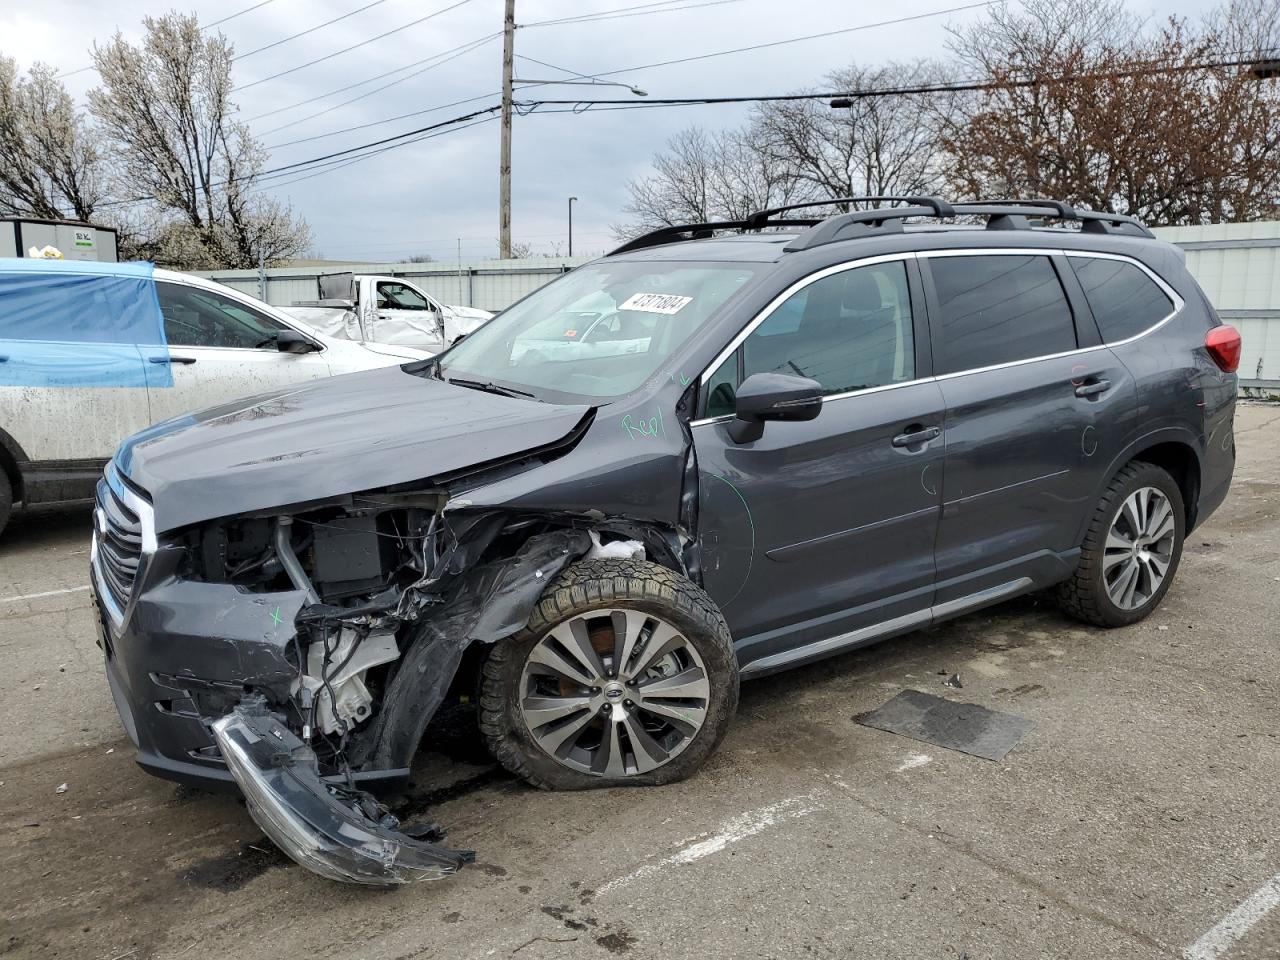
(998, 309)
(1124, 300)
(194, 317)
(849, 331)
(598, 332)
(400, 296)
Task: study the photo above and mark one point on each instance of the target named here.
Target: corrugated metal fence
(488, 284)
(1238, 266)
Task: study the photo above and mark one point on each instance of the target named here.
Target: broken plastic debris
(339, 833)
(62, 788)
(953, 681)
(617, 550)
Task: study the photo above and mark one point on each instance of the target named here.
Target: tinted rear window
(997, 309)
(1124, 300)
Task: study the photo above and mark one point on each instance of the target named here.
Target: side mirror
(291, 341)
(773, 396)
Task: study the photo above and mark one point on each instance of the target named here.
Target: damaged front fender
(340, 833)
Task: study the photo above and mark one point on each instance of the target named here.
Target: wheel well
(1181, 463)
(10, 468)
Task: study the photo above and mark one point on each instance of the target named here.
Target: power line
(331, 160)
(377, 123)
(964, 86)
(812, 36)
(440, 60)
(354, 46)
(533, 105)
(207, 26)
(621, 12)
(405, 116)
(303, 33)
(358, 83)
(340, 164)
(210, 26)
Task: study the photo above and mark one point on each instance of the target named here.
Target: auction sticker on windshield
(666, 303)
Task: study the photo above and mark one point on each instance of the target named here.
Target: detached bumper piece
(339, 833)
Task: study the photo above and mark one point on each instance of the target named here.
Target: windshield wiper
(491, 388)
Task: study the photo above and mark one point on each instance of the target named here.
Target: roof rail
(700, 231)
(1013, 214)
(845, 225)
(766, 218)
(1000, 214)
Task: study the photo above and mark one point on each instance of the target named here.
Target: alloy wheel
(614, 692)
(1139, 548)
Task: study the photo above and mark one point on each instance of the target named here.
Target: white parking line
(913, 761)
(1236, 923)
(731, 831)
(46, 593)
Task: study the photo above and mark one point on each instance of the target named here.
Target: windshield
(600, 331)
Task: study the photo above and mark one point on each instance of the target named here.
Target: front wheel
(1132, 549)
(625, 675)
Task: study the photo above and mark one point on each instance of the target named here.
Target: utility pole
(504, 160)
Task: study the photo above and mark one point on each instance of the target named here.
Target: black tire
(599, 585)
(6, 500)
(1085, 595)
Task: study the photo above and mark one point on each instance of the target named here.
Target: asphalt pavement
(1138, 819)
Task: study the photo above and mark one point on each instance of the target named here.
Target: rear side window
(997, 309)
(1124, 300)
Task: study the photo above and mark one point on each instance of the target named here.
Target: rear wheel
(1132, 549)
(625, 675)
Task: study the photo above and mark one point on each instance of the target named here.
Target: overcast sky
(425, 197)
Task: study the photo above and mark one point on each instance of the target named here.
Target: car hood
(473, 313)
(327, 438)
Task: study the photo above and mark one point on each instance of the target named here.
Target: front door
(221, 349)
(822, 529)
(404, 315)
(1036, 411)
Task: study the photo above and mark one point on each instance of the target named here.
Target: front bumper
(180, 654)
(339, 833)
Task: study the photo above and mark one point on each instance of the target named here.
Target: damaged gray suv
(723, 450)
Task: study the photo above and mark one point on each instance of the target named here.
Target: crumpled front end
(301, 652)
(334, 830)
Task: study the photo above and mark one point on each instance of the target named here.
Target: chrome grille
(118, 539)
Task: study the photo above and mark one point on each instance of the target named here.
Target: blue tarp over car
(80, 324)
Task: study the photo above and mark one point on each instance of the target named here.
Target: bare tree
(165, 108)
(1093, 107)
(881, 145)
(703, 177)
(50, 161)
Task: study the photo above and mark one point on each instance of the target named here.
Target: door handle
(171, 359)
(1092, 387)
(917, 436)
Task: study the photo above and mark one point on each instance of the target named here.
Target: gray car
(832, 431)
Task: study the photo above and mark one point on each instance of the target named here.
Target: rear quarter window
(1124, 300)
(999, 309)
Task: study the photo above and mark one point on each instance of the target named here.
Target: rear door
(221, 348)
(1036, 409)
(73, 382)
(822, 528)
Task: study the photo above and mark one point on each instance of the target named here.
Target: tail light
(1223, 344)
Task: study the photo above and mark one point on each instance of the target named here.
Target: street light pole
(571, 200)
(504, 159)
